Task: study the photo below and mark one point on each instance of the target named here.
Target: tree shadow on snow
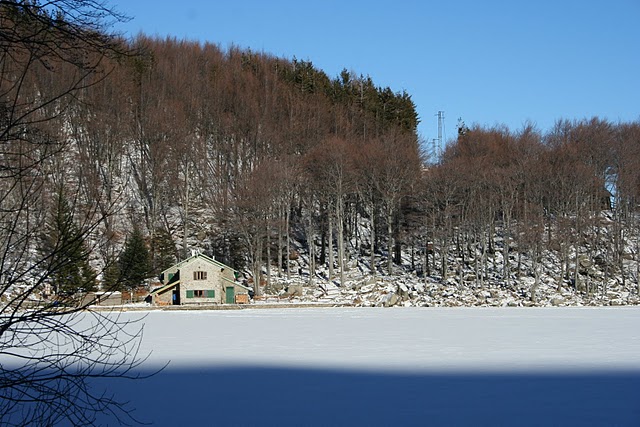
(315, 397)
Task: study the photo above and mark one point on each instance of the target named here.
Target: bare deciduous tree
(51, 348)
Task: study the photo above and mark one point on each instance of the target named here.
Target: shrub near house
(198, 280)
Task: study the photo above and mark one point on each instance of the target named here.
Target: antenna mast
(438, 146)
(440, 126)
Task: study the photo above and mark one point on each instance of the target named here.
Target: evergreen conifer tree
(164, 250)
(111, 275)
(134, 262)
(63, 244)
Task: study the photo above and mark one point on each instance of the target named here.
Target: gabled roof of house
(165, 287)
(246, 288)
(198, 256)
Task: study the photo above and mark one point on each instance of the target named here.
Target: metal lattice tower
(440, 147)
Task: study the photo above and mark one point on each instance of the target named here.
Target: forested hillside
(259, 160)
(119, 158)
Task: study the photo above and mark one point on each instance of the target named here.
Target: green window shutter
(189, 294)
(170, 276)
(211, 293)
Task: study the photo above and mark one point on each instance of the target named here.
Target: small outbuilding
(199, 280)
(101, 298)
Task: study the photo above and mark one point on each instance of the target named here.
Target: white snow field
(393, 367)
(407, 340)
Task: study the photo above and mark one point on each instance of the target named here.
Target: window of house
(199, 275)
(200, 293)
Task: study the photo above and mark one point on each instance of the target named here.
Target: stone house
(199, 280)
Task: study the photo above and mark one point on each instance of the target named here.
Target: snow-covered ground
(399, 339)
(394, 366)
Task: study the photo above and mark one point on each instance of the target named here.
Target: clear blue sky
(489, 62)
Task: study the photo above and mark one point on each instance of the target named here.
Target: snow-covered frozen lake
(387, 367)
(398, 366)
(408, 340)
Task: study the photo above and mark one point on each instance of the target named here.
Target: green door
(231, 296)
